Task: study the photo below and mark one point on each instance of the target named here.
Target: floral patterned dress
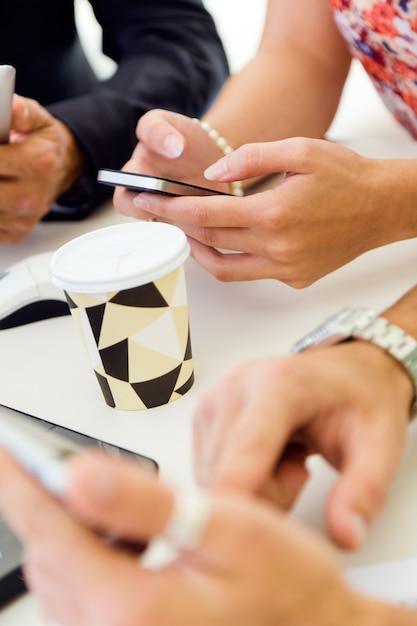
(383, 36)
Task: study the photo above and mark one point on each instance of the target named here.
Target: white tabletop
(45, 371)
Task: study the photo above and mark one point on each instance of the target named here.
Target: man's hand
(349, 403)
(40, 163)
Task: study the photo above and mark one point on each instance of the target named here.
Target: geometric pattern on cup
(138, 341)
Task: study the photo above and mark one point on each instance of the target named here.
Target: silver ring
(189, 519)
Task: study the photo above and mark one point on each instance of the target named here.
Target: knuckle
(221, 273)
(304, 149)
(376, 494)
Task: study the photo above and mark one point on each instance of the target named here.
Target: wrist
(224, 148)
(393, 186)
(73, 162)
(365, 325)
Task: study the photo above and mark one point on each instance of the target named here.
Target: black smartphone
(41, 447)
(153, 184)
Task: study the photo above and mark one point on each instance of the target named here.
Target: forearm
(391, 615)
(293, 85)
(404, 312)
(274, 101)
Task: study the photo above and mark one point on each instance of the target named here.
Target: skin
(217, 583)
(327, 192)
(349, 402)
(40, 163)
(253, 565)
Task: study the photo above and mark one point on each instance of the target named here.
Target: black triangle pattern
(158, 390)
(186, 386)
(115, 360)
(148, 295)
(95, 315)
(188, 353)
(105, 390)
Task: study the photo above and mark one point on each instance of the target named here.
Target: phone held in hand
(153, 184)
(7, 84)
(43, 448)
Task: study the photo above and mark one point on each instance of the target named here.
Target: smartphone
(7, 84)
(42, 447)
(153, 184)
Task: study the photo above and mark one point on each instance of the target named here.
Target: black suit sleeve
(168, 55)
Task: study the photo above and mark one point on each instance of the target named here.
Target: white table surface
(45, 372)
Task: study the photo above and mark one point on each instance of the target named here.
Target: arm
(251, 565)
(167, 56)
(291, 89)
(293, 85)
(349, 402)
(300, 67)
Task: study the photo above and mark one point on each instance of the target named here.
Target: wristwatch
(365, 324)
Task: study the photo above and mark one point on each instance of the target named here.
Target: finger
(213, 423)
(291, 475)
(205, 211)
(366, 476)
(229, 267)
(28, 115)
(101, 490)
(20, 493)
(160, 135)
(261, 431)
(294, 155)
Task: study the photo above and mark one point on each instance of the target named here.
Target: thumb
(28, 115)
(158, 130)
(261, 159)
(360, 493)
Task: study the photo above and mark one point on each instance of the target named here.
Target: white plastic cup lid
(119, 257)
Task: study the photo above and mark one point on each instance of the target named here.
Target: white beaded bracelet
(221, 143)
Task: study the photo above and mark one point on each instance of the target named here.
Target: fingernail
(173, 146)
(217, 171)
(359, 527)
(140, 202)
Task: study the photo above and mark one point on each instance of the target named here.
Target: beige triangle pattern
(185, 373)
(180, 318)
(146, 364)
(84, 300)
(161, 336)
(121, 321)
(167, 285)
(124, 395)
(180, 296)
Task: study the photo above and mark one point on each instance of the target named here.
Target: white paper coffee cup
(125, 286)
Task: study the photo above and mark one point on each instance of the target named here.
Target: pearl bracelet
(221, 143)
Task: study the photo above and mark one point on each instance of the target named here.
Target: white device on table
(27, 293)
(153, 184)
(7, 83)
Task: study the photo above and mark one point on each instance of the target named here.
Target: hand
(349, 403)
(253, 567)
(172, 146)
(325, 212)
(41, 162)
